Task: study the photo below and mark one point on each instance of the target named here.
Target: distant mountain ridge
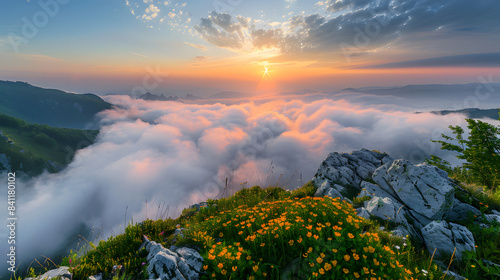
(49, 106)
(153, 97)
(230, 95)
(429, 90)
(473, 113)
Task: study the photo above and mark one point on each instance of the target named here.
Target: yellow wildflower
(328, 266)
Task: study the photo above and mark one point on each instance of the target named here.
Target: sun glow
(266, 84)
(266, 72)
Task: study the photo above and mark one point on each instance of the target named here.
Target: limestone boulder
(165, 264)
(349, 169)
(461, 212)
(419, 187)
(385, 208)
(445, 237)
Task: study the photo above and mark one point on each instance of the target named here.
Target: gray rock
(400, 231)
(349, 169)
(61, 272)
(178, 231)
(384, 208)
(420, 188)
(445, 237)
(460, 212)
(96, 277)
(333, 193)
(191, 257)
(183, 263)
(164, 266)
(371, 190)
(495, 212)
(490, 218)
(419, 221)
(325, 189)
(363, 213)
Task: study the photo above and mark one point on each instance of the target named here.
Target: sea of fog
(152, 159)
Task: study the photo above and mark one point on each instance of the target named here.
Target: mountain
(153, 97)
(190, 96)
(32, 148)
(431, 90)
(49, 106)
(473, 113)
(229, 95)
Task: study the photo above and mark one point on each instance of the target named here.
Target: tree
(481, 152)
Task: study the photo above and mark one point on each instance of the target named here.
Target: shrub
(481, 151)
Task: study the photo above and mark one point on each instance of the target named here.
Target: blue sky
(110, 43)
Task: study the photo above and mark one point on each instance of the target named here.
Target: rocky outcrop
(179, 264)
(419, 198)
(460, 212)
(444, 237)
(61, 273)
(347, 170)
(420, 188)
(384, 208)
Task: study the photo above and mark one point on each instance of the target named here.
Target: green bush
(481, 152)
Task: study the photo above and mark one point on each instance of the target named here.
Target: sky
(176, 154)
(206, 46)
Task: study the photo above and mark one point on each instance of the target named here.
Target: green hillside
(49, 106)
(473, 113)
(31, 148)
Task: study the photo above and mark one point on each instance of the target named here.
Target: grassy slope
(49, 106)
(258, 233)
(265, 233)
(36, 156)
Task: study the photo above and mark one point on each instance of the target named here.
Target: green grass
(35, 145)
(267, 233)
(262, 234)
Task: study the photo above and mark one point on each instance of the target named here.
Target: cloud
(175, 17)
(351, 27)
(198, 46)
(151, 12)
(177, 154)
(466, 60)
(200, 58)
(224, 31)
(137, 54)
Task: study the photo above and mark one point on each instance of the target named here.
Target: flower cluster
(325, 234)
